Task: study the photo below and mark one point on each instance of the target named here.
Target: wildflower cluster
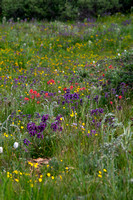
(51, 82)
(37, 130)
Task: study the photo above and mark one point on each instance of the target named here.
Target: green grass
(81, 72)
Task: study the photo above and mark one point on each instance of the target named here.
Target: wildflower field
(66, 114)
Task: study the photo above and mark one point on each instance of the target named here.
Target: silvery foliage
(49, 108)
(111, 143)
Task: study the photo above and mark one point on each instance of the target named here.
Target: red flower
(35, 92)
(38, 102)
(27, 99)
(64, 89)
(31, 91)
(82, 88)
(111, 102)
(32, 97)
(51, 81)
(110, 67)
(71, 87)
(46, 94)
(103, 74)
(38, 95)
(120, 97)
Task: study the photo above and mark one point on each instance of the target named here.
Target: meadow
(66, 113)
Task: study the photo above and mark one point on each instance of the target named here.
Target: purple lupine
(45, 118)
(54, 126)
(26, 141)
(42, 126)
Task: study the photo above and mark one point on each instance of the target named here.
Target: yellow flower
(48, 174)
(36, 165)
(99, 175)
(16, 180)
(104, 170)
(40, 180)
(52, 177)
(60, 177)
(15, 172)
(100, 172)
(8, 174)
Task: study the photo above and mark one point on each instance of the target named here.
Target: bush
(92, 7)
(61, 9)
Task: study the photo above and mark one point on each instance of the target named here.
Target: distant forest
(62, 9)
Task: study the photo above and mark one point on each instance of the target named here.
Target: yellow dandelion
(48, 174)
(40, 180)
(99, 175)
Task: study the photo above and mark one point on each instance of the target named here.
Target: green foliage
(125, 74)
(61, 9)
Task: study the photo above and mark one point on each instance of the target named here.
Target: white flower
(1, 149)
(119, 54)
(15, 145)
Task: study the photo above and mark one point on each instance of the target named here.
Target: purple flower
(58, 117)
(26, 141)
(44, 118)
(54, 126)
(42, 126)
(39, 135)
(31, 126)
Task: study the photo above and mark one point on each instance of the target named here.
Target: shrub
(61, 9)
